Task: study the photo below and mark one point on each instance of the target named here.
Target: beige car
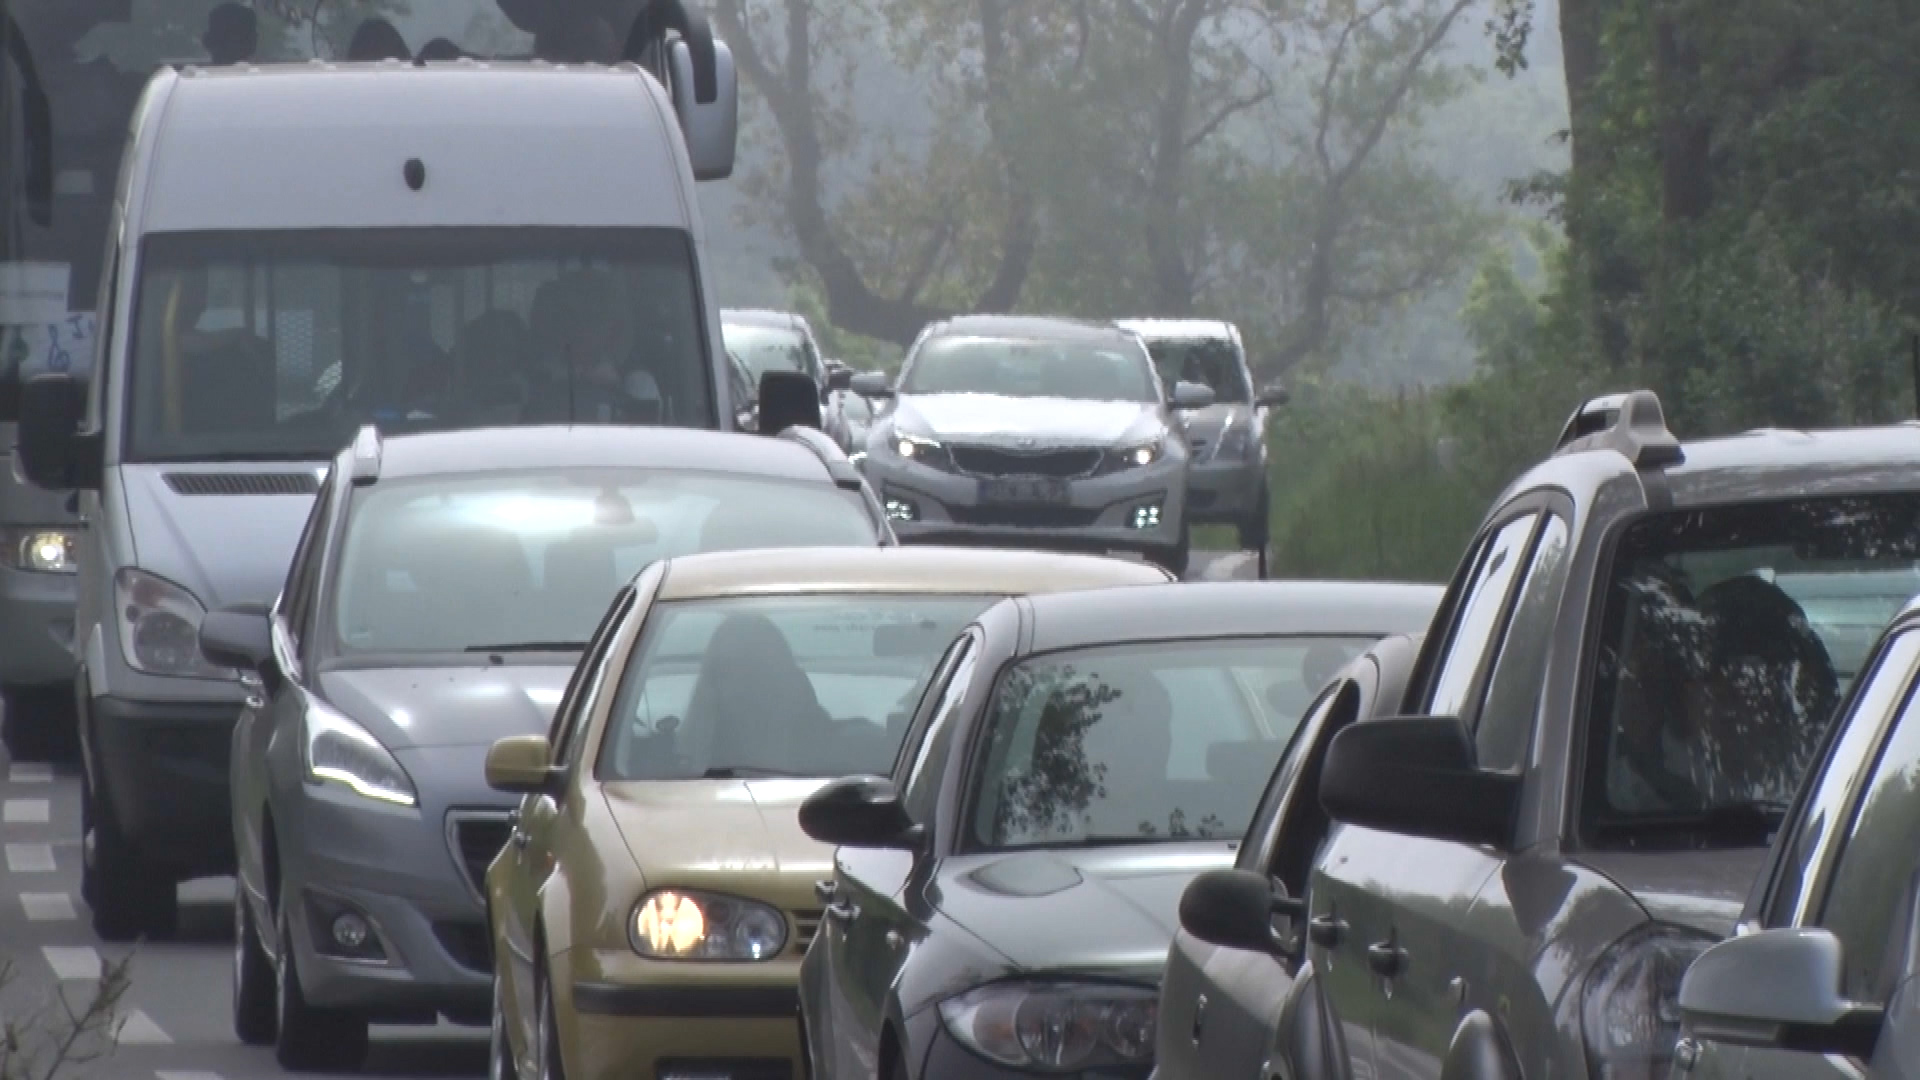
(649, 913)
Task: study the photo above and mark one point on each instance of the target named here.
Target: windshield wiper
(532, 646)
(738, 772)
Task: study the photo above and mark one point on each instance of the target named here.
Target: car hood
(224, 549)
(447, 706)
(744, 826)
(1110, 910)
(1704, 890)
(990, 418)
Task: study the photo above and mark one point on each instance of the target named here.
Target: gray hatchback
(442, 591)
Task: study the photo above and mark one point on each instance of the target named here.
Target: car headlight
(341, 751)
(160, 627)
(40, 551)
(1056, 1026)
(1630, 1010)
(913, 447)
(1142, 453)
(684, 924)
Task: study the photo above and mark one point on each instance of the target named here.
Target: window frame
(1484, 680)
(589, 674)
(927, 764)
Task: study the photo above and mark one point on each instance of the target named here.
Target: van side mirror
(1417, 776)
(1187, 395)
(873, 384)
(859, 812)
(1234, 909)
(788, 399)
(1777, 989)
(54, 454)
(710, 124)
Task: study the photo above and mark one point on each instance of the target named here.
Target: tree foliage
(67, 1032)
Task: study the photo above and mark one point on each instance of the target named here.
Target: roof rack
(366, 455)
(1631, 423)
(839, 467)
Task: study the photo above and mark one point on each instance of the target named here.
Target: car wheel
(126, 896)
(551, 1065)
(500, 1060)
(309, 1039)
(1254, 530)
(254, 1007)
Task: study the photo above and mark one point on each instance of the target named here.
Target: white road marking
(25, 812)
(138, 1028)
(47, 906)
(180, 1074)
(71, 962)
(30, 858)
(30, 774)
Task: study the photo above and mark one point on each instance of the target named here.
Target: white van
(295, 250)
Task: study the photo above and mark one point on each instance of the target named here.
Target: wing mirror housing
(1272, 395)
(1417, 776)
(788, 399)
(522, 765)
(709, 121)
(1234, 909)
(1189, 395)
(839, 376)
(238, 637)
(859, 812)
(872, 384)
(54, 453)
(1778, 989)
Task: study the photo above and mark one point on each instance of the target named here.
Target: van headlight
(1056, 1027)
(1630, 1008)
(685, 924)
(160, 626)
(342, 752)
(40, 551)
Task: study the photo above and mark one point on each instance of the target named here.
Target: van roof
(325, 145)
(591, 445)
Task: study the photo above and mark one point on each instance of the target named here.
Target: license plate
(1023, 489)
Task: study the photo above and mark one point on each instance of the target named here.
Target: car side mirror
(1234, 909)
(1188, 395)
(237, 637)
(1273, 395)
(1778, 989)
(788, 399)
(1417, 776)
(859, 812)
(54, 454)
(709, 114)
(521, 765)
(839, 378)
(873, 384)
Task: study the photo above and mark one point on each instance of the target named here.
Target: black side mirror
(53, 452)
(788, 399)
(1416, 775)
(859, 812)
(1273, 394)
(872, 384)
(237, 637)
(839, 378)
(1234, 909)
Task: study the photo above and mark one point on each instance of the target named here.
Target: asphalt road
(174, 1020)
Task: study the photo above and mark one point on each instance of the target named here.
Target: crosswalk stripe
(183, 1074)
(30, 858)
(71, 962)
(47, 906)
(25, 812)
(30, 774)
(138, 1028)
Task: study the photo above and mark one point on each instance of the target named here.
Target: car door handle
(1386, 958)
(1327, 930)
(825, 890)
(842, 912)
(1199, 1017)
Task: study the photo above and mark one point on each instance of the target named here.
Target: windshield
(1030, 369)
(1730, 636)
(282, 344)
(768, 348)
(777, 686)
(527, 558)
(1141, 743)
(1211, 362)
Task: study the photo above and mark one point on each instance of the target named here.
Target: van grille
(476, 836)
(806, 923)
(222, 483)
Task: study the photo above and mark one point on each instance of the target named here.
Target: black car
(1077, 758)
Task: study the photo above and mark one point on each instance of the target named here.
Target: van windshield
(269, 345)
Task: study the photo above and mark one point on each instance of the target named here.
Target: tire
(309, 1039)
(1256, 529)
(552, 1063)
(500, 1061)
(254, 1007)
(127, 897)
(38, 723)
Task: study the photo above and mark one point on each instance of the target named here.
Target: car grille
(1029, 517)
(805, 925)
(998, 461)
(466, 941)
(476, 836)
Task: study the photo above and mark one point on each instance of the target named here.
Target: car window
(582, 685)
(806, 685)
(1472, 631)
(1256, 849)
(305, 568)
(1211, 362)
(1103, 370)
(1504, 727)
(920, 794)
(1713, 686)
(1872, 888)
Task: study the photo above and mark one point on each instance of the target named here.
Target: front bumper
(36, 628)
(1101, 513)
(621, 1019)
(1225, 492)
(161, 770)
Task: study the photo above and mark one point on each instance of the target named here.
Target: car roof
(1229, 609)
(1046, 327)
(909, 569)
(783, 320)
(1178, 329)
(475, 450)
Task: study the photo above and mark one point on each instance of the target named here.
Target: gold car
(649, 912)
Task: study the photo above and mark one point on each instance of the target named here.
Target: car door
(878, 907)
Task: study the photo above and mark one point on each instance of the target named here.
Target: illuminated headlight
(1056, 1027)
(342, 752)
(1630, 1011)
(1145, 453)
(913, 448)
(41, 551)
(682, 924)
(160, 626)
